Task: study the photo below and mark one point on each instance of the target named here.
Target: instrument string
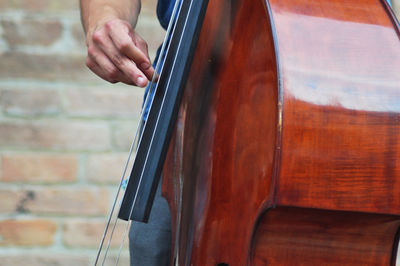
(162, 103)
(172, 23)
(138, 135)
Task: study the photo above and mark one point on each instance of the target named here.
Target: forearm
(97, 12)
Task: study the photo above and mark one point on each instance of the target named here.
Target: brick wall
(396, 8)
(64, 134)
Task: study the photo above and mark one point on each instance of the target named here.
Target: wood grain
(297, 236)
(340, 63)
(293, 104)
(224, 159)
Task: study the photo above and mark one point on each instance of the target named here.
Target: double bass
(284, 145)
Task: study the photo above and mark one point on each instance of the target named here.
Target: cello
(285, 148)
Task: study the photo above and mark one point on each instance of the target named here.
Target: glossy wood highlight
(225, 137)
(340, 71)
(291, 103)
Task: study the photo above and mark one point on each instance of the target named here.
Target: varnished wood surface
(297, 236)
(298, 109)
(226, 136)
(340, 72)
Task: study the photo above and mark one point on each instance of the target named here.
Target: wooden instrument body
(290, 106)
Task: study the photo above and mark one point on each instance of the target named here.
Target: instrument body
(291, 109)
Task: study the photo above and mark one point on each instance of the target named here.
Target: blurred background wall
(64, 134)
(396, 8)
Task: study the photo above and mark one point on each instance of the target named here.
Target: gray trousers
(150, 243)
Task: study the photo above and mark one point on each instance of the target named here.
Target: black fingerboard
(161, 119)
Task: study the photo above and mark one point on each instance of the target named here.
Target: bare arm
(116, 52)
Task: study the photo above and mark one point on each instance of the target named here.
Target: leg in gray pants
(150, 244)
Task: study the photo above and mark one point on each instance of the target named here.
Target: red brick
(9, 200)
(31, 32)
(105, 168)
(45, 67)
(88, 233)
(27, 232)
(39, 168)
(71, 201)
(58, 201)
(55, 135)
(45, 258)
(39, 5)
(30, 102)
(120, 101)
(78, 35)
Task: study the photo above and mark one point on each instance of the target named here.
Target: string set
(137, 139)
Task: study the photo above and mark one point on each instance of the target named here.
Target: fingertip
(156, 77)
(141, 82)
(147, 69)
(151, 74)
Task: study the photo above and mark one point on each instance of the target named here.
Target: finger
(124, 43)
(123, 63)
(108, 70)
(142, 45)
(93, 66)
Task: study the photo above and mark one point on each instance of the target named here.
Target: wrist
(101, 12)
(101, 16)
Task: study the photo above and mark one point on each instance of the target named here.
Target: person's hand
(117, 54)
